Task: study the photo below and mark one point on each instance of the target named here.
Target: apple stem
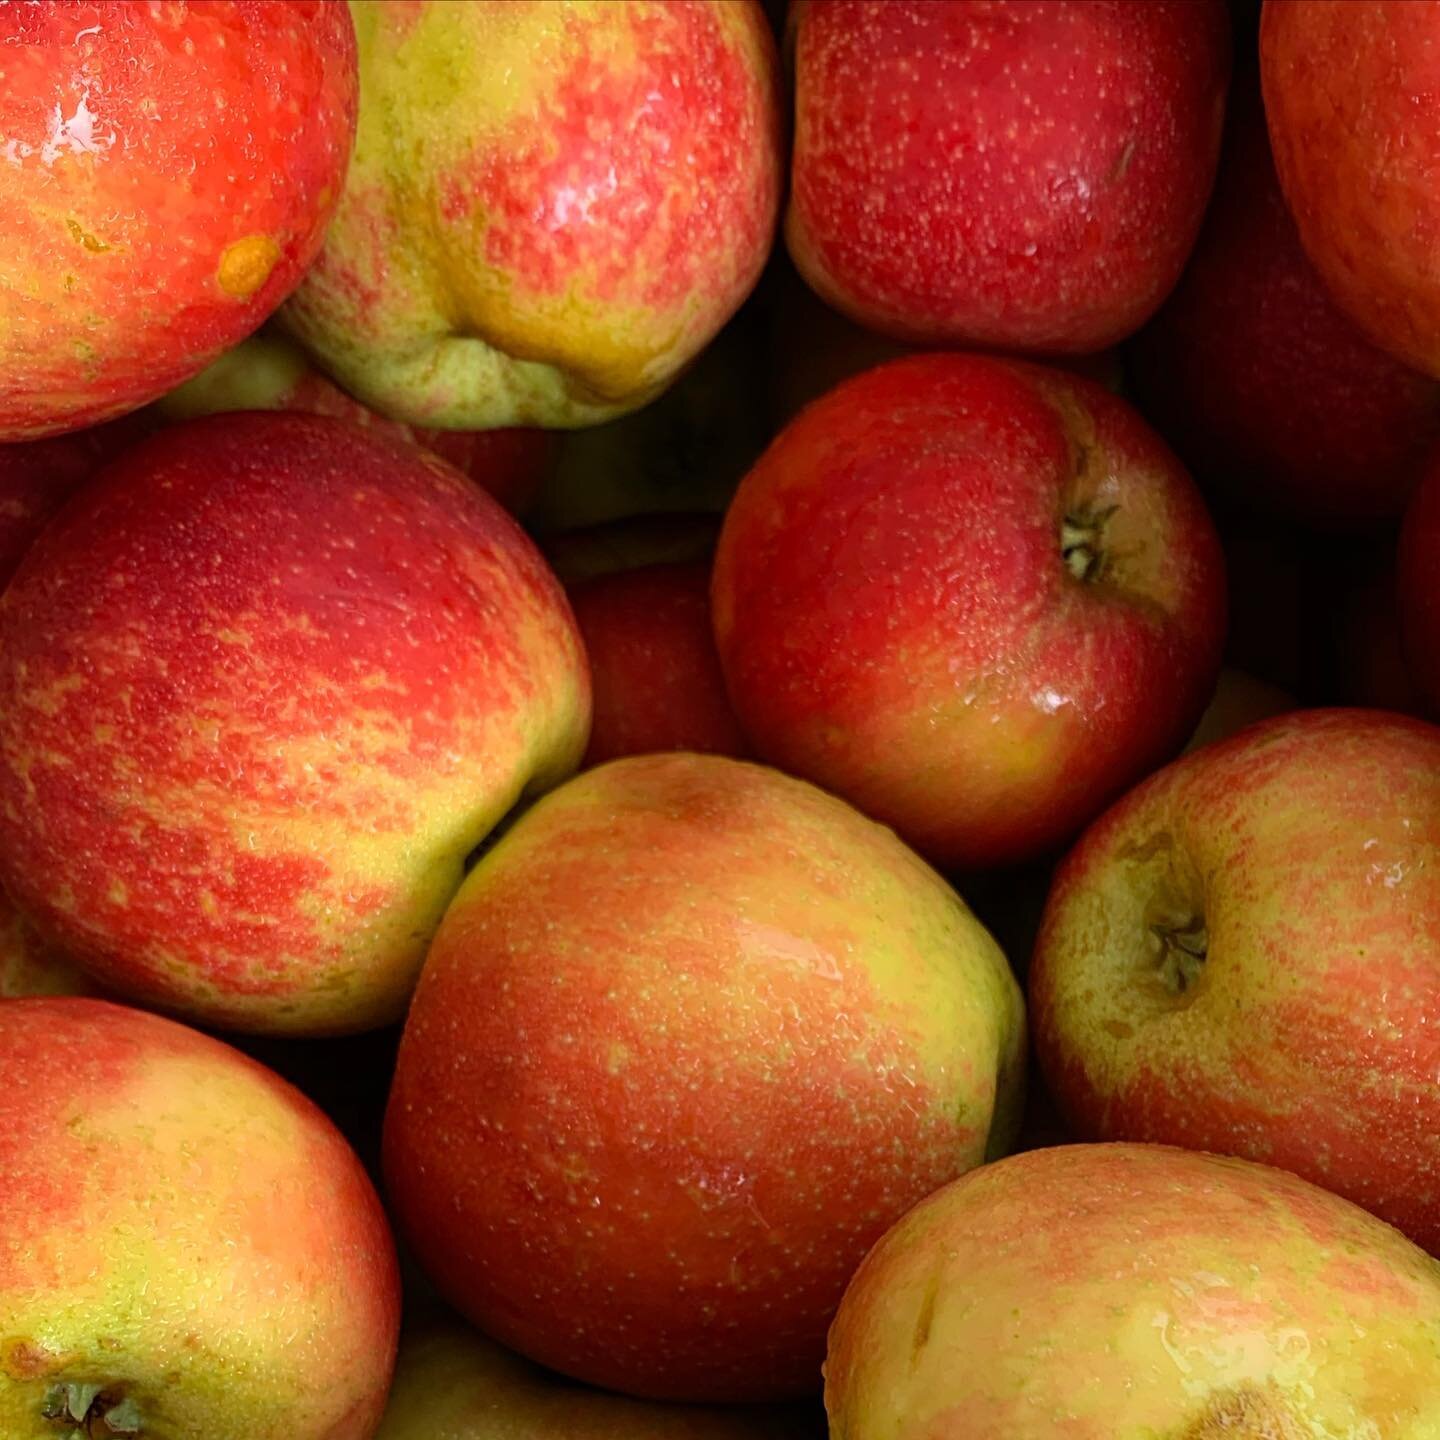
(1080, 546)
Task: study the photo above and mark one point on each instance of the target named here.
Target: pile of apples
(507, 674)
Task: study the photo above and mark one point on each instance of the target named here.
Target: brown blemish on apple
(81, 236)
(925, 1320)
(25, 1359)
(246, 265)
(1246, 1414)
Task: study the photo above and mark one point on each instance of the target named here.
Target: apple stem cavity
(1181, 954)
(1081, 534)
(86, 1411)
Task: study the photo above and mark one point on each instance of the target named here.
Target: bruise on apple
(1250, 1412)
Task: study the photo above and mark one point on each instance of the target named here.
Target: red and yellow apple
(269, 372)
(452, 1382)
(551, 208)
(654, 672)
(690, 1037)
(1021, 177)
(1272, 395)
(1242, 956)
(263, 685)
(975, 597)
(1352, 97)
(1125, 1292)
(169, 171)
(187, 1246)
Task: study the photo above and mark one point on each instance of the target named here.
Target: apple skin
(269, 372)
(1019, 177)
(1124, 1292)
(454, 1383)
(551, 208)
(263, 685)
(1270, 394)
(897, 621)
(1295, 857)
(182, 1229)
(690, 1037)
(1418, 590)
(654, 671)
(177, 205)
(1349, 98)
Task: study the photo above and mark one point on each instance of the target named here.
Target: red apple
(190, 1248)
(169, 173)
(653, 667)
(1243, 956)
(1127, 1292)
(263, 685)
(1025, 177)
(1352, 95)
(552, 208)
(975, 597)
(1269, 392)
(269, 372)
(1417, 595)
(691, 1036)
(452, 1383)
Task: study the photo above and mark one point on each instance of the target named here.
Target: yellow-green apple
(664, 539)
(1240, 699)
(269, 372)
(1270, 393)
(1417, 594)
(975, 597)
(264, 683)
(1243, 956)
(1021, 177)
(27, 965)
(654, 672)
(1127, 1292)
(169, 172)
(551, 209)
(187, 1246)
(453, 1384)
(690, 1037)
(1352, 97)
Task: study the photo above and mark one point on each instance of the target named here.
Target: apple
(1269, 392)
(1239, 700)
(654, 671)
(189, 1246)
(975, 597)
(551, 208)
(169, 174)
(1125, 1292)
(452, 1382)
(1351, 100)
(269, 372)
(1242, 956)
(27, 965)
(264, 684)
(692, 1034)
(629, 544)
(1417, 596)
(1023, 177)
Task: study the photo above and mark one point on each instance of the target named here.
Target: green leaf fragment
(124, 1418)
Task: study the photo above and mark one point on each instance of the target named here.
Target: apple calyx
(1180, 952)
(1081, 547)
(86, 1411)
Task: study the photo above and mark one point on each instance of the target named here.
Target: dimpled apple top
(691, 1036)
(1134, 1292)
(166, 174)
(188, 1248)
(1244, 956)
(1028, 176)
(552, 207)
(975, 597)
(262, 687)
(1352, 95)
(453, 1384)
